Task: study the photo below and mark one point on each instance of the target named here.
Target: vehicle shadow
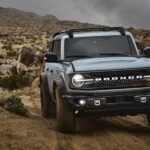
(115, 124)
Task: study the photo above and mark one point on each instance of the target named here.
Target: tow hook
(143, 99)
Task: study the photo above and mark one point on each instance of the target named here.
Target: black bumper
(112, 103)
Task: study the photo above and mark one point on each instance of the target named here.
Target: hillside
(13, 17)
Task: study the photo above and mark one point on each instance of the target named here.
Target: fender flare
(42, 75)
(60, 83)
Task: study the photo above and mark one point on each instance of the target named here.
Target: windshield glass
(99, 47)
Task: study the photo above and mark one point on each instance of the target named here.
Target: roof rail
(71, 31)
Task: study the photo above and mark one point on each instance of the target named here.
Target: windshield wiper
(78, 56)
(102, 54)
(112, 54)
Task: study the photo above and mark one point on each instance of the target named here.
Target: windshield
(99, 47)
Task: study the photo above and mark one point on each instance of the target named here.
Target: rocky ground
(34, 132)
(21, 53)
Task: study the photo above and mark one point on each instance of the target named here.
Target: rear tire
(48, 107)
(64, 114)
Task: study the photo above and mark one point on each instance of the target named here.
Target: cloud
(134, 13)
(129, 13)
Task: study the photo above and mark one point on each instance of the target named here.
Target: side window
(56, 47)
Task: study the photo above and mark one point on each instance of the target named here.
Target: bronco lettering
(119, 78)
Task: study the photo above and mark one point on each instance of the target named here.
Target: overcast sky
(128, 13)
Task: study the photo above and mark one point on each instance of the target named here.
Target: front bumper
(111, 102)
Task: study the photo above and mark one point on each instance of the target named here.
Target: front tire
(65, 115)
(48, 108)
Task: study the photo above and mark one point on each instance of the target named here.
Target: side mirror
(50, 57)
(147, 51)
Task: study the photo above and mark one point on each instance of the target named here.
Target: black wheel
(148, 118)
(48, 107)
(65, 115)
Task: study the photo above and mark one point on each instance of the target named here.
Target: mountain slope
(15, 17)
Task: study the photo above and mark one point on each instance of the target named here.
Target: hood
(110, 63)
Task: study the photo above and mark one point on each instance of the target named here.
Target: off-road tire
(148, 118)
(64, 114)
(48, 107)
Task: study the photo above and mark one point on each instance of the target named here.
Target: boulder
(21, 68)
(27, 56)
(3, 61)
(7, 69)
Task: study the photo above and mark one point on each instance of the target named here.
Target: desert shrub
(15, 81)
(14, 104)
(2, 102)
(7, 47)
(18, 41)
(12, 54)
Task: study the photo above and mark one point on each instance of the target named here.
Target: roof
(71, 32)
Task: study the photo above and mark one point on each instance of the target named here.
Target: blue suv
(94, 72)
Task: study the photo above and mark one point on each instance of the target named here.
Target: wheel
(148, 118)
(48, 107)
(64, 114)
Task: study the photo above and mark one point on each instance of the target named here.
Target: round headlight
(78, 80)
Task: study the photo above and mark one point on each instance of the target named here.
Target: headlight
(78, 80)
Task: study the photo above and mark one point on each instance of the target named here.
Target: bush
(14, 104)
(15, 81)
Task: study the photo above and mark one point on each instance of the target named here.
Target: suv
(94, 72)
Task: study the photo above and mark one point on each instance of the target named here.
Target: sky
(127, 13)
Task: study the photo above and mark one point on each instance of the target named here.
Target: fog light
(82, 102)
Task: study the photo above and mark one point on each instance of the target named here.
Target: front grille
(128, 83)
(118, 84)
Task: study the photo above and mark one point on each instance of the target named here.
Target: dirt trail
(36, 133)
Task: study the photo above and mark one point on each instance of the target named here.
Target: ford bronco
(94, 72)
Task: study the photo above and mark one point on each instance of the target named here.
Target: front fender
(42, 75)
(60, 82)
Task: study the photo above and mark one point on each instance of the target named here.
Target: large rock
(8, 67)
(27, 56)
(21, 68)
(3, 61)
